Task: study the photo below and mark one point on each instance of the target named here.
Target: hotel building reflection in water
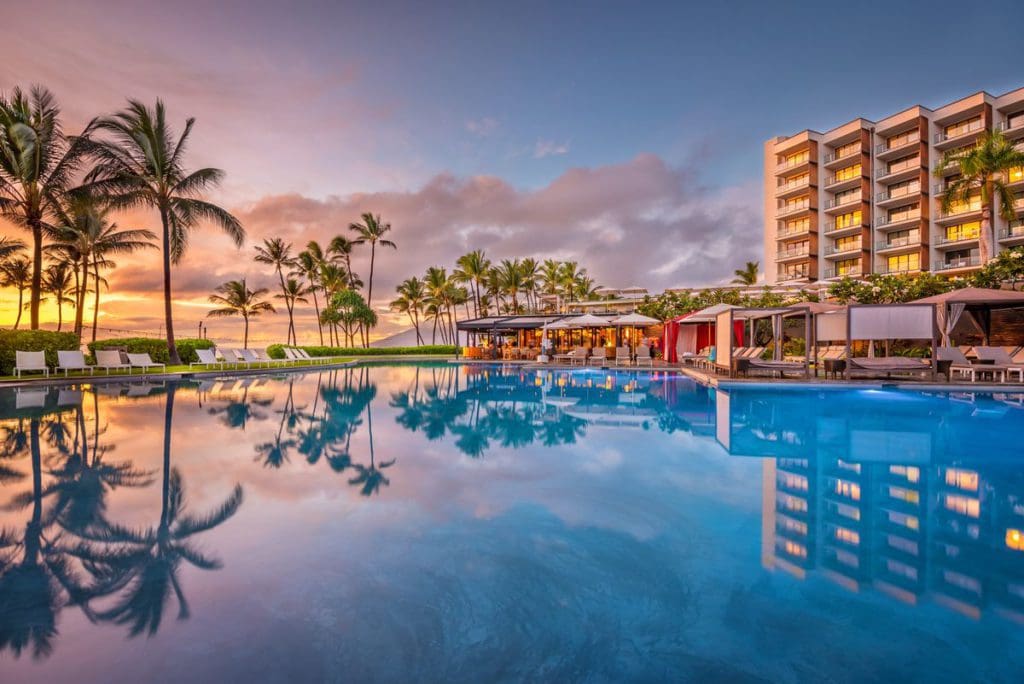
(867, 506)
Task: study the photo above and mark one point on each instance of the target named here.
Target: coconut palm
(308, 266)
(510, 280)
(37, 165)
(746, 275)
(411, 298)
(472, 269)
(10, 247)
(140, 164)
(984, 173)
(88, 238)
(372, 231)
(340, 250)
(58, 281)
(17, 273)
(569, 278)
(236, 299)
(293, 292)
(278, 253)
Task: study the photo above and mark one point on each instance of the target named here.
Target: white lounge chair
(250, 357)
(643, 356)
(30, 362)
(622, 356)
(599, 357)
(262, 355)
(72, 361)
(207, 357)
(1001, 359)
(579, 357)
(233, 357)
(304, 355)
(961, 366)
(110, 358)
(144, 362)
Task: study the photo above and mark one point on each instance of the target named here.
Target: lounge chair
(643, 356)
(234, 357)
(110, 359)
(144, 362)
(622, 356)
(1002, 359)
(250, 356)
(598, 358)
(207, 357)
(30, 362)
(961, 366)
(72, 361)
(888, 365)
(262, 355)
(25, 398)
(304, 355)
(780, 367)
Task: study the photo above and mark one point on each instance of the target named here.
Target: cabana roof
(705, 315)
(977, 296)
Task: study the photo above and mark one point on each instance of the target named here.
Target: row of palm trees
(483, 287)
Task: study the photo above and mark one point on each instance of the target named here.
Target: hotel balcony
(838, 205)
(960, 214)
(1013, 234)
(939, 189)
(838, 252)
(1018, 204)
(897, 244)
(885, 270)
(1015, 178)
(790, 211)
(958, 135)
(958, 264)
(946, 242)
(893, 148)
(897, 172)
(792, 167)
(892, 198)
(853, 272)
(793, 254)
(897, 220)
(1012, 127)
(834, 184)
(792, 188)
(789, 234)
(782, 275)
(834, 161)
(849, 229)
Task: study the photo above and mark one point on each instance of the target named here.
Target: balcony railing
(897, 218)
(791, 163)
(895, 243)
(785, 209)
(1013, 124)
(961, 262)
(940, 188)
(842, 201)
(831, 227)
(792, 232)
(836, 156)
(885, 270)
(854, 246)
(1014, 230)
(906, 191)
(946, 239)
(897, 143)
(962, 209)
(793, 253)
(1018, 203)
(842, 272)
(833, 180)
(792, 185)
(957, 131)
(913, 163)
(793, 275)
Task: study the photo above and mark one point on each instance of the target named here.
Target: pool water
(438, 522)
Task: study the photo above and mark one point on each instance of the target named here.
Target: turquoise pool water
(471, 523)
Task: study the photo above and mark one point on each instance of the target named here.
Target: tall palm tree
(278, 253)
(550, 276)
(58, 281)
(984, 173)
(140, 164)
(570, 275)
(37, 164)
(293, 292)
(372, 231)
(308, 266)
(236, 299)
(510, 280)
(529, 269)
(472, 269)
(17, 273)
(10, 247)
(411, 298)
(87, 237)
(340, 249)
(747, 275)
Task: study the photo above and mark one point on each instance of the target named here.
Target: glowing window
(962, 479)
(963, 505)
(912, 473)
(908, 495)
(904, 262)
(847, 535)
(1015, 539)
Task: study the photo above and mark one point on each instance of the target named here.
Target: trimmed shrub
(34, 340)
(276, 351)
(155, 347)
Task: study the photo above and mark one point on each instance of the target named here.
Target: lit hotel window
(963, 505)
(962, 479)
(848, 489)
(912, 473)
(908, 495)
(794, 549)
(847, 535)
(1015, 539)
(903, 520)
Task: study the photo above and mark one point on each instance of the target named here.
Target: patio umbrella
(634, 320)
(588, 321)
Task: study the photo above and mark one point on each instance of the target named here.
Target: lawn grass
(170, 370)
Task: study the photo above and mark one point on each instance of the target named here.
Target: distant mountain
(407, 338)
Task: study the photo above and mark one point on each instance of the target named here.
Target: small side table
(835, 367)
(943, 367)
(740, 366)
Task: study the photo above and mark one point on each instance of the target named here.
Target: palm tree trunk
(172, 349)
(316, 307)
(245, 337)
(985, 235)
(21, 305)
(369, 284)
(36, 225)
(60, 311)
(166, 488)
(96, 300)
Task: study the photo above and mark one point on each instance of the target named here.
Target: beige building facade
(862, 198)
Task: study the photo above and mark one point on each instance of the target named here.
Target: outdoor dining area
(587, 339)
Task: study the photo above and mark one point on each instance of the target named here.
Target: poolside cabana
(977, 303)
(885, 322)
(689, 333)
(725, 337)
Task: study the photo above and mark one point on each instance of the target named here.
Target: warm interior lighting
(1014, 539)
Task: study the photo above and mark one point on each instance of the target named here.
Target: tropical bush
(155, 347)
(34, 340)
(276, 351)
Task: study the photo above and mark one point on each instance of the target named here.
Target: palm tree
(372, 230)
(10, 247)
(472, 269)
(984, 174)
(293, 292)
(746, 275)
(308, 266)
(58, 281)
(236, 299)
(550, 276)
(37, 164)
(529, 269)
(510, 280)
(87, 237)
(278, 253)
(17, 273)
(570, 276)
(340, 249)
(411, 298)
(141, 165)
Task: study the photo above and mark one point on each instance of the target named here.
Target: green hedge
(276, 351)
(155, 347)
(34, 340)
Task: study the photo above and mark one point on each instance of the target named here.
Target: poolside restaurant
(520, 337)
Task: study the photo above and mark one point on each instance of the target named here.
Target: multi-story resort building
(862, 198)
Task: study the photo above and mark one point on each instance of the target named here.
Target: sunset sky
(627, 137)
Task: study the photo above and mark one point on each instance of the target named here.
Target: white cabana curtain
(723, 339)
(948, 320)
(896, 322)
(777, 336)
(686, 343)
(831, 327)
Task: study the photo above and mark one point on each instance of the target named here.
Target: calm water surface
(470, 524)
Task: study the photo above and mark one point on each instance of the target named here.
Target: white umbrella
(588, 321)
(557, 325)
(635, 319)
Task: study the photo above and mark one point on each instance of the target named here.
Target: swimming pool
(437, 522)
